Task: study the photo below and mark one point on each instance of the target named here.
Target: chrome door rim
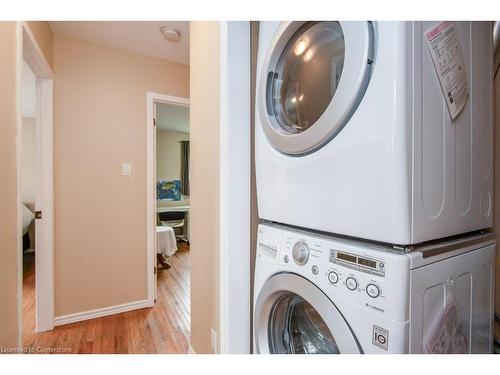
(283, 283)
(352, 86)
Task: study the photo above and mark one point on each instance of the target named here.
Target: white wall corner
(235, 183)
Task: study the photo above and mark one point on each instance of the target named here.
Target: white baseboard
(99, 313)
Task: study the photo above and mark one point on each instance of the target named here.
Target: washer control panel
(357, 273)
(360, 276)
(366, 274)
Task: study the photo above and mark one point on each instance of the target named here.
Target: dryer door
(293, 316)
(313, 78)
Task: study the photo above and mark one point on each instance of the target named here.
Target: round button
(373, 290)
(286, 259)
(300, 253)
(315, 270)
(351, 283)
(333, 277)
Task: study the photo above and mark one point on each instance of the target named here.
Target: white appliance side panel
(452, 182)
(471, 275)
(483, 317)
(486, 121)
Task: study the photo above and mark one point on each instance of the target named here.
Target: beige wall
(43, 35)
(28, 162)
(168, 154)
(168, 160)
(204, 125)
(100, 215)
(9, 244)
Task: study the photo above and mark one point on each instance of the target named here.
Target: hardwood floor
(164, 328)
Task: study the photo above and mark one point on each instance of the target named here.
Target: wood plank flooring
(164, 328)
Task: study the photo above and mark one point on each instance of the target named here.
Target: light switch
(126, 169)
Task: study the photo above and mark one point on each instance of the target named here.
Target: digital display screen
(367, 262)
(347, 257)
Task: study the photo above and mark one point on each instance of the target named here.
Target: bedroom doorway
(35, 191)
(168, 212)
(29, 182)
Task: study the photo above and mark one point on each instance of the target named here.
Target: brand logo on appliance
(380, 337)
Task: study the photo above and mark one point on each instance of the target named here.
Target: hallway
(162, 329)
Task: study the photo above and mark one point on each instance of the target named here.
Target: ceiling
(172, 117)
(142, 37)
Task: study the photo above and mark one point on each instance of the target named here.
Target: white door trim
(235, 185)
(44, 260)
(151, 98)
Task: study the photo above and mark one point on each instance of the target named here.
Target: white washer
(324, 294)
(353, 134)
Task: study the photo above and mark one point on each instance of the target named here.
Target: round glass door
(293, 316)
(307, 75)
(295, 327)
(313, 79)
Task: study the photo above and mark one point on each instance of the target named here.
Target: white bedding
(166, 243)
(27, 217)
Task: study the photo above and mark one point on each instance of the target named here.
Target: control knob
(300, 253)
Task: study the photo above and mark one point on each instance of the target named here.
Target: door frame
(235, 188)
(29, 50)
(151, 99)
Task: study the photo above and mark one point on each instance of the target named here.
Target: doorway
(168, 210)
(35, 191)
(29, 184)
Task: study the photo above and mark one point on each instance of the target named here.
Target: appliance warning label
(444, 45)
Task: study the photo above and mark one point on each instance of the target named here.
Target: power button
(373, 290)
(351, 283)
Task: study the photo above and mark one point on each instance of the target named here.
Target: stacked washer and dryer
(375, 203)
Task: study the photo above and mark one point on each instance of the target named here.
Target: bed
(27, 218)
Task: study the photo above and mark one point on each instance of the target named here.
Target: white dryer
(354, 137)
(325, 294)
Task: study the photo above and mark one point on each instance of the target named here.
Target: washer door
(293, 316)
(313, 79)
